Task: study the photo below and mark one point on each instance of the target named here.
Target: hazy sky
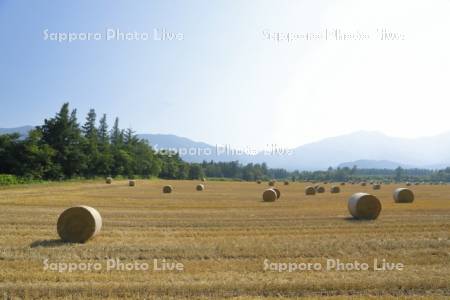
(224, 81)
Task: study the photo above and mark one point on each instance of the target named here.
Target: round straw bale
(203, 179)
(363, 183)
(364, 206)
(320, 189)
(272, 183)
(335, 189)
(342, 183)
(132, 183)
(269, 195)
(277, 191)
(167, 189)
(310, 190)
(286, 183)
(78, 224)
(258, 181)
(403, 195)
(200, 187)
(109, 180)
(376, 186)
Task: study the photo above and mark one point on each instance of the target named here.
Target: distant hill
(190, 150)
(426, 152)
(365, 149)
(374, 164)
(23, 131)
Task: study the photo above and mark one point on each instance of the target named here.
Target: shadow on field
(47, 243)
(354, 220)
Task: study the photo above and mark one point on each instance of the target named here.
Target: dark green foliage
(196, 172)
(8, 179)
(61, 149)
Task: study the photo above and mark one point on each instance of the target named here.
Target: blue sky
(224, 82)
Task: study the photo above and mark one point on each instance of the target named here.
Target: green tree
(195, 172)
(399, 173)
(63, 134)
(36, 157)
(116, 135)
(91, 147)
(105, 159)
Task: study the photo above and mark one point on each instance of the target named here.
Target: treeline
(249, 172)
(252, 172)
(63, 149)
(351, 174)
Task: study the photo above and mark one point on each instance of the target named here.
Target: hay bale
(286, 183)
(363, 183)
(203, 179)
(200, 187)
(364, 206)
(269, 195)
(408, 184)
(109, 180)
(258, 181)
(167, 189)
(335, 189)
(342, 183)
(78, 224)
(277, 191)
(310, 190)
(403, 195)
(132, 183)
(272, 183)
(320, 189)
(376, 186)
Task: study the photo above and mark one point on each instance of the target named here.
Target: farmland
(222, 237)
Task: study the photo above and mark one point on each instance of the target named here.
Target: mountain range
(365, 149)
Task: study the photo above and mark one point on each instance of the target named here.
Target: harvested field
(222, 237)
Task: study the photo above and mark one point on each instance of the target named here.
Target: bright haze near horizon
(225, 81)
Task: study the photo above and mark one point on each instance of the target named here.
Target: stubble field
(223, 236)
